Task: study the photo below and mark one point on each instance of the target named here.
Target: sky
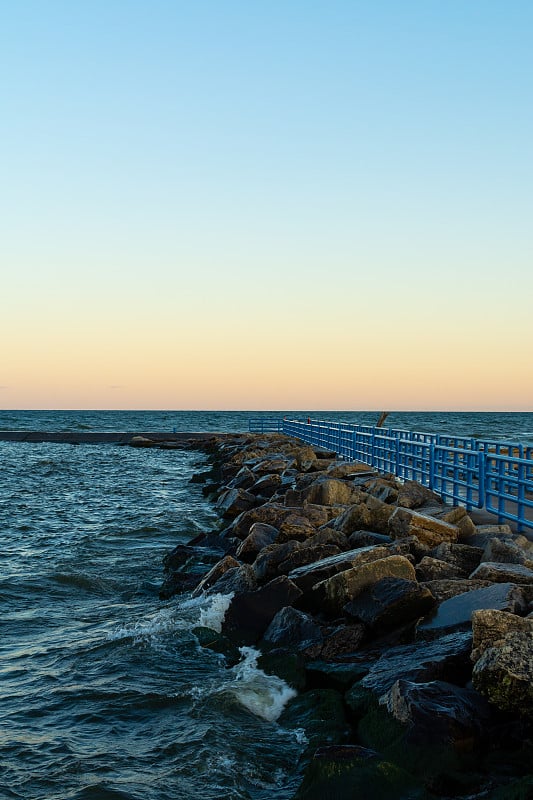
(267, 205)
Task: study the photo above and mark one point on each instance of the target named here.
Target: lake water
(106, 694)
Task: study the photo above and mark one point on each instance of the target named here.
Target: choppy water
(106, 694)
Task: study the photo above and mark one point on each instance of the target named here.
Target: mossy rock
(320, 713)
(334, 675)
(353, 773)
(521, 789)
(441, 768)
(288, 666)
(212, 640)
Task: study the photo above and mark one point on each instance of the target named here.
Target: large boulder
(446, 658)
(504, 673)
(266, 486)
(463, 557)
(390, 603)
(412, 494)
(296, 526)
(269, 558)
(308, 575)
(343, 587)
(433, 569)
(342, 642)
(458, 610)
(250, 613)
(489, 626)
(261, 535)
(428, 530)
(367, 514)
(437, 711)
(292, 628)
(233, 502)
(329, 491)
(307, 555)
(444, 588)
(503, 573)
(216, 572)
(235, 580)
(507, 551)
(350, 772)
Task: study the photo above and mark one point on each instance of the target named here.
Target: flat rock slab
(391, 602)
(503, 573)
(308, 575)
(446, 658)
(458, 610)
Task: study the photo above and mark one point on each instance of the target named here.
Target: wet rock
(273, 464)
(329, 536)
(391, 602)
(308, 575)
(492, 625)
(269, 513)
(413, 495)
(233, 502)
(344, 641)
(243, 479)
(235, 580)
(428, 530)
(437, 711)
(216, 572)
(432, 569)
(494, 531)
(443, 589)
(291, 627)
(347, 469)
(305, 458)
(368, 514)
(214, 641)
(250, 613)
(457, 611)
(307, 555)
(463, 557)
(179, 557)
(351, 772)
(367, 538)
(268, 560)
(503, 573)
(384, 489)
(506, 551)
(320, 515)
(261, 535)
(328, 491)
(343, 587)
(321, 714)
(266, 486)
(446, 658)
(504, 673)
(176, 582)
(296, 526)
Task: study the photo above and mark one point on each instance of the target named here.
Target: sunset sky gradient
(280, 205)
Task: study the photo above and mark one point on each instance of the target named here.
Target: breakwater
(180, 438)
(404, 628)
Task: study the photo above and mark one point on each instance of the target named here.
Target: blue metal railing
(265, 425)
(476, 473)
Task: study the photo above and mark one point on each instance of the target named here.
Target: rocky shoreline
(406, 630)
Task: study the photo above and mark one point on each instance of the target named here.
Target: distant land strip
(181, 438)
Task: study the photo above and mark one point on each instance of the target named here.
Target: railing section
(490, 474)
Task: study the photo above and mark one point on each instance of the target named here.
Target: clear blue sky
(203, 182)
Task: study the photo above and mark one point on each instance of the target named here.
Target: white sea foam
(264, 695)
(213, 611)
(207, 611)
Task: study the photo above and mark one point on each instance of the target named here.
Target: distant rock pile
(406, 629)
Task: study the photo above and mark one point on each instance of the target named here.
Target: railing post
(431, 478)
(481, 480)
(373, 449)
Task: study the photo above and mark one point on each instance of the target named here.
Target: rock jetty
(406, 629)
